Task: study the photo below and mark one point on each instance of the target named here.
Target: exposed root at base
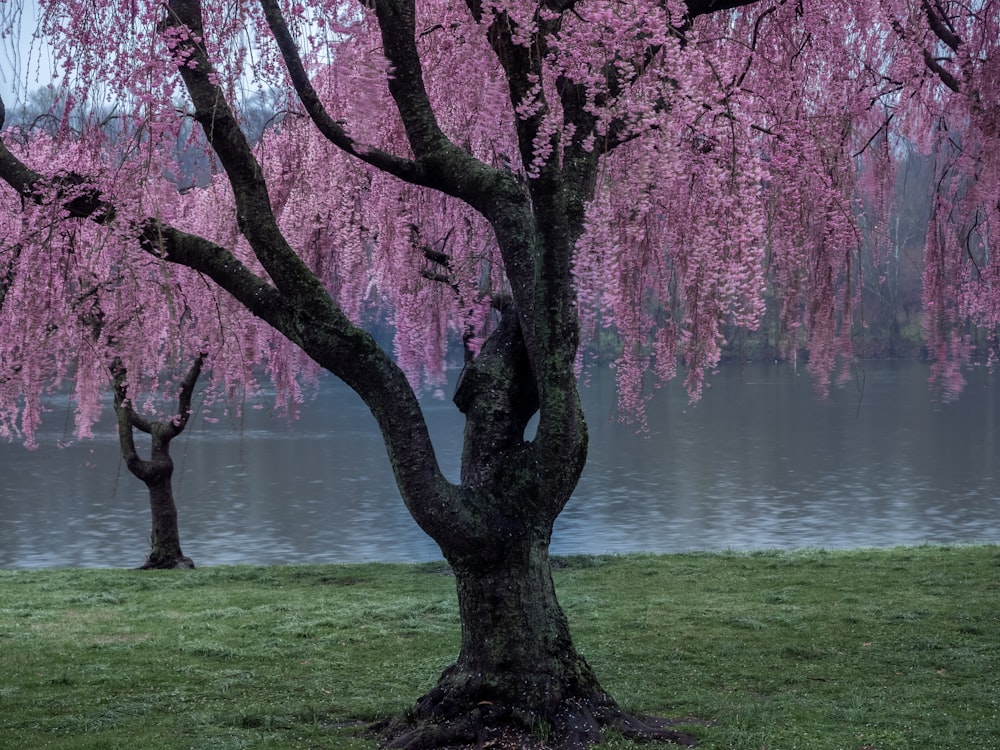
(167, 563)
(577, 725)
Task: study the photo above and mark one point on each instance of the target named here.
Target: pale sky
(24, 64)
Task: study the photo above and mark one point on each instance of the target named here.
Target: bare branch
(177, 425)
(128, 420)
(883, 128)
(932, 63)
(397, 19)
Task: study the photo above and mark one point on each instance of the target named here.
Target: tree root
(583, 723)
(428, 736)
(577, 724)
(167, 563)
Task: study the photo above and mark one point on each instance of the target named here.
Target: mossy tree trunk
(517, 667)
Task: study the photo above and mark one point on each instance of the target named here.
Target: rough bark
(518, 672)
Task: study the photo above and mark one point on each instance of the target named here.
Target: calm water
(760, 462)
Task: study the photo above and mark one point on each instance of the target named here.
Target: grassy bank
(813, 650)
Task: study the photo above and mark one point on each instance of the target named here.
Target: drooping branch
(617, 83)
(212, 111)
(738, 81)
(940, 25)
(581, 151)
(157, 238)
(332, 130)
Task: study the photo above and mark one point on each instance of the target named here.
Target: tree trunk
(518, 669)
(157, 472)
(517, 658)
(165, 539)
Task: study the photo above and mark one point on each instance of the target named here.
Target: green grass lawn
(814, 650)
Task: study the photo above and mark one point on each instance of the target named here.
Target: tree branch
(127, 420)
(177, 425)
(397, 22)
(939, 25)
(574, 96)
(161, 240)
(522, 65)
(332, 130)
(705, 7)
(212, 111)
(947, 78)
(75, 192)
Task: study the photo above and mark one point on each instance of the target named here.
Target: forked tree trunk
(518, 668)
(156, 472)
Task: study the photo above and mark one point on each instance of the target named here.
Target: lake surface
(759, 462)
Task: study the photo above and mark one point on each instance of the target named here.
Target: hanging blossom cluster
(775, 150)
(671, 254)
(961, 278)
(426, 262)
(676, 245)
(943, 62)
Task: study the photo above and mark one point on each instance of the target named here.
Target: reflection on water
(760, 462)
